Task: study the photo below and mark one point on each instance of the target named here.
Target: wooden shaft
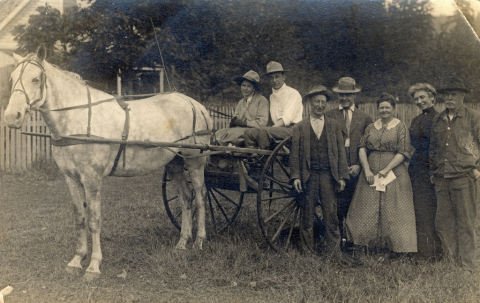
(160, 144)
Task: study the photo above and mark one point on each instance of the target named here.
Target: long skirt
(383, 219)
(425, 204)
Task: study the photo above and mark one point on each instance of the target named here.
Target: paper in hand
(381, 183)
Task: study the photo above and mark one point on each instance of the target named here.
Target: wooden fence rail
(18, 152)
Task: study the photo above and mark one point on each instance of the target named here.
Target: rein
(43, 83)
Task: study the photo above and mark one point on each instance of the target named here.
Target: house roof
(8, 10)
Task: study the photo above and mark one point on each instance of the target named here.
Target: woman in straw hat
(252, 111)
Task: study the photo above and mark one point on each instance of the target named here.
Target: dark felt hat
(453, 84)
(318, 90)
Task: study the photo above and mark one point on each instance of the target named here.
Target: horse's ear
(41, 52)
(18, 58)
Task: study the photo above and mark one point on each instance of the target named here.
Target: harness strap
(89, 111)
(123, 145)
(204, 132)
(78, 106)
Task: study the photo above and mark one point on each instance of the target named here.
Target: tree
(49, 28)
(384, 45)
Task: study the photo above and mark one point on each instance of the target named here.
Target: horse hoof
(91, 276)
(74, 271)
(180, 247)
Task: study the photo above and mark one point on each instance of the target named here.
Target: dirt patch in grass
(140, 264)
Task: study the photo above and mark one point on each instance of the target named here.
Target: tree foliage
(385, 45)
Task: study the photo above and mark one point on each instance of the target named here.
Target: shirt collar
(429, 110)
(352, 107)
(315, 119)
(276, 91)
(378, 124)
(460, 113)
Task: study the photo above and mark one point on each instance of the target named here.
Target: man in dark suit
(353, 122)
(318, 164)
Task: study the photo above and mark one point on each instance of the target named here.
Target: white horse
(70, 107)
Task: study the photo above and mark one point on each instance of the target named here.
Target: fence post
(2, 139)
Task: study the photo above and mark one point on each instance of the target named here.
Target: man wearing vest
(286, 109)
(353, 122)
(318, 165)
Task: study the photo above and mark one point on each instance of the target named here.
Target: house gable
(18, 12)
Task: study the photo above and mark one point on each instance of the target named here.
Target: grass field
(37, 240)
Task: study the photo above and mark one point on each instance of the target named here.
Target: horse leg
(93, 186)
(78, 199)
(176, 172)
(196, 169)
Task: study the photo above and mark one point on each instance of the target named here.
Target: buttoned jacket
(360, 121)
(455, 146)
(300, 152)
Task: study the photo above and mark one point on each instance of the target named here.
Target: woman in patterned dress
(424, 200)
(384, 219)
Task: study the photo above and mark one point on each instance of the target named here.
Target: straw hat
(347, 85)
(250, 76)
(274, 67)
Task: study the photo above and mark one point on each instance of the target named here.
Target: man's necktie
(347, 120)
(347, 139)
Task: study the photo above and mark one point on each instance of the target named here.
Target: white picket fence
(17, 151)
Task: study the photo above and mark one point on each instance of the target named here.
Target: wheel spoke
(172, 199)
(228, 199)
(282, 185)
(279, 211)
(279, 229)
(220, 207)
(211, 209)
(297, 210)
(282, 166)
(177, 214)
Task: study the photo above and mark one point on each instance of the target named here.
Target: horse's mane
(57, 71)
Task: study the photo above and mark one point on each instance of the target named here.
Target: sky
(446, 7)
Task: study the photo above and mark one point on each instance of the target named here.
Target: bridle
(43, 84)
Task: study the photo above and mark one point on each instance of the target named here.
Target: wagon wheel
(278, 204)
(221, 209)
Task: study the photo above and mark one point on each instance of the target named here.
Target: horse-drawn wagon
(94, 137)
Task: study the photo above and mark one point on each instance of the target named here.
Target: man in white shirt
(286, 109)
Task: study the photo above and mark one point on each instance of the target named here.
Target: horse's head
(28, 89)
